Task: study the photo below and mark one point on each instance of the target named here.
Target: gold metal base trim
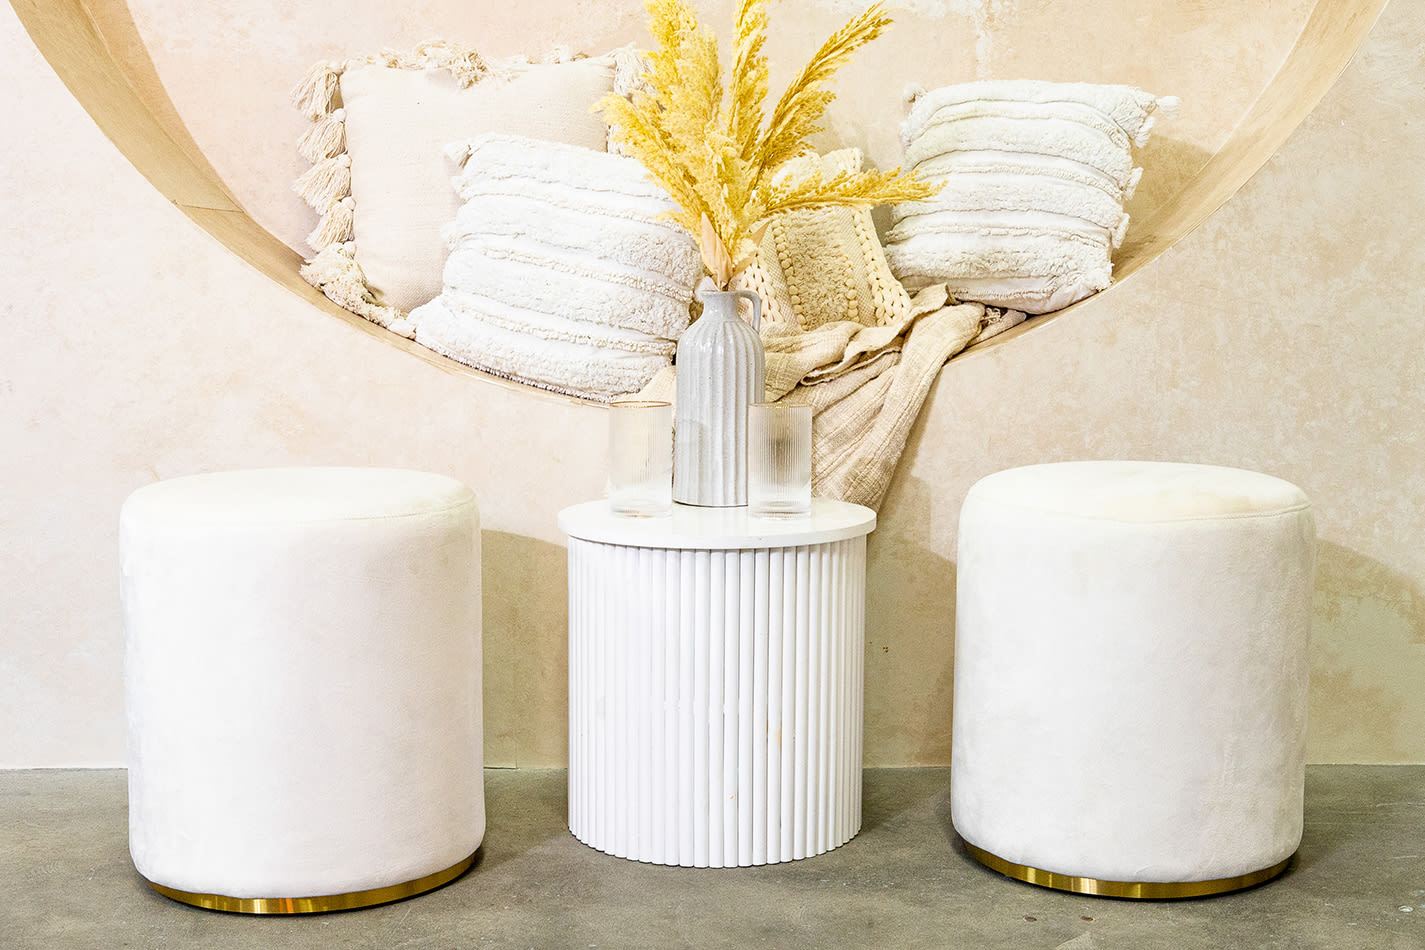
(1135, 890)
(321, 904)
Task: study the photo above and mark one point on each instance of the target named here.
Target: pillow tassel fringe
(326, 186)
(325, 139)
(335, 225)
(337, 275)
(631, 68)
(314, 94)
(325, 183)
(464, 64)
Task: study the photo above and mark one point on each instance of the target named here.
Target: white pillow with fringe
(1034, 178)
(380, 179)
(564, 270)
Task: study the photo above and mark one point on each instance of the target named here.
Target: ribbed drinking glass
(641, 458)
(778, 460)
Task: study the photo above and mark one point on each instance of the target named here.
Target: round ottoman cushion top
(1140, 491)
(302, 680)
(296, 496)
(1131, 669)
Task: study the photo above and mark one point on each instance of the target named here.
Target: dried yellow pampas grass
(714, 148)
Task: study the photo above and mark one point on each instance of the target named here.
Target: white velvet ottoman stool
(1131, 676)
(302, 683)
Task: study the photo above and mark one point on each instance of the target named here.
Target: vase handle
(756, 306)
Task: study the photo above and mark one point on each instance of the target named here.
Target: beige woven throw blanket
(865, 385)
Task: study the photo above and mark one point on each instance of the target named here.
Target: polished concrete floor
(1358, 882)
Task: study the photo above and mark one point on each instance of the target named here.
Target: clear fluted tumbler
(641, 458)
(778, 460)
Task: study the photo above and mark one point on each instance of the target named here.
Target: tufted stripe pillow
(1034, 178)
(564, 271)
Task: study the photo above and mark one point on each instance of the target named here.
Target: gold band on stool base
(1138, 890)
(317, 905)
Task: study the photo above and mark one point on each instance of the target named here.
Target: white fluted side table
(715, 682)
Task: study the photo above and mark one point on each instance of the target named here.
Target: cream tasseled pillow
(824, 265)
(1035, 175)
(564, 271)
(380, 175)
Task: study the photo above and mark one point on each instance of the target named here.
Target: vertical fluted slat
(709, 703)
(745, 695)
(615, 698)
(648, 661)
(800, 720)
(776, 589)
(842, 698)
(813, 697)
(761, 679)
(790, 584)
(693, 590)
(603, 728)
(672, 665)
(715, 701)
(576, 670)
(731, 668)
(857, 595)
(818, 748)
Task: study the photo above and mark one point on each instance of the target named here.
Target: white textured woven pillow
(1035, 175)
(564, 271)
(823, 265)
(380, 178)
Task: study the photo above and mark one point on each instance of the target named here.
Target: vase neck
(720, 305)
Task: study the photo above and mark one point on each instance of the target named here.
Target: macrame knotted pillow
(823, 265)
(564, 271)
(1034, 178)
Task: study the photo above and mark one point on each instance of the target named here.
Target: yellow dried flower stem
(703, 139)
(803, 104)
(749, 77)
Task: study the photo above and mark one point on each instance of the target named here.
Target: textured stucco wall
(229, 68)
(1279, 336)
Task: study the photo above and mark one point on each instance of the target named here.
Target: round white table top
(717, 529)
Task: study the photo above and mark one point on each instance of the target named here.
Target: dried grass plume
(714, 147)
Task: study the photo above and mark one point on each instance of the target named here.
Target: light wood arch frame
(125, 99)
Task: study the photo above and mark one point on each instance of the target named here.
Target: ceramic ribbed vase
(720, 372)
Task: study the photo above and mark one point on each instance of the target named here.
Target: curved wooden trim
(80, 40)
(128, 104)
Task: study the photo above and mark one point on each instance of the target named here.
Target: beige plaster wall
(228, 68)
(1282, 335)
